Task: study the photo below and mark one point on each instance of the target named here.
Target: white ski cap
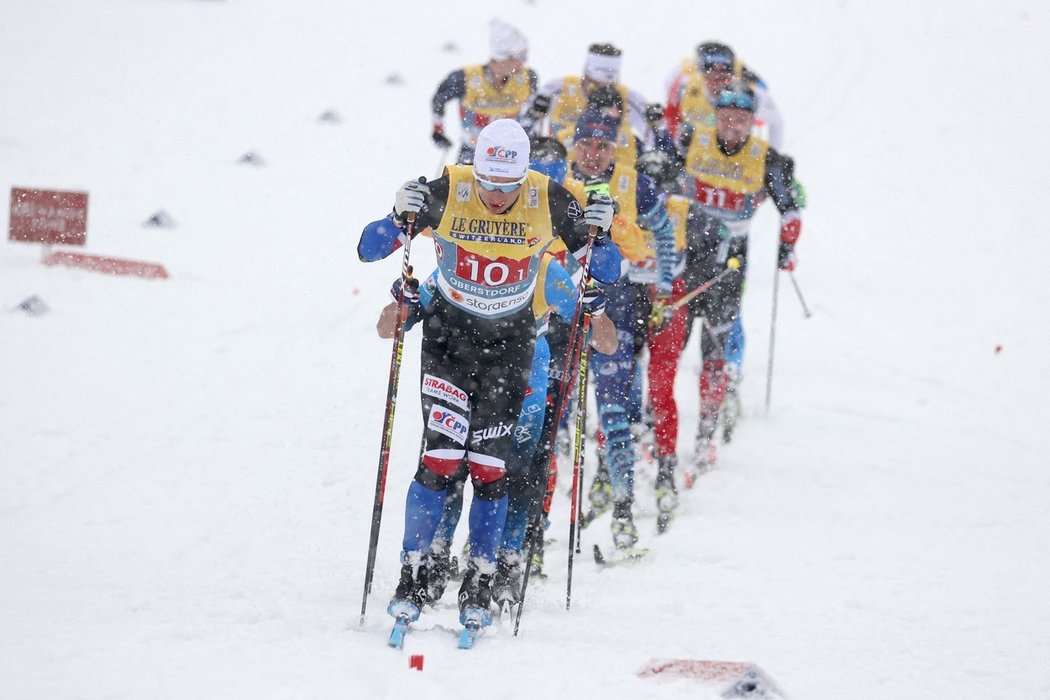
(506, 42)
(502, 150)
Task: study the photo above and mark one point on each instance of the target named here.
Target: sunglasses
(737, 100)
(504, 187)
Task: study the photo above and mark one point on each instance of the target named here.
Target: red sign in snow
(48, 216)
(108, 265)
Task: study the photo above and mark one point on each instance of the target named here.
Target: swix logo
(493, 431)
(501, 152)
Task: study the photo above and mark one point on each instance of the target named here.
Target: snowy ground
(186, 465)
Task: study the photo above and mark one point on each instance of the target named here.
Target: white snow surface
(187, 465)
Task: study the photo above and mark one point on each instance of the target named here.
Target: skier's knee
(489, 476)
(438, 467)
(490, 490)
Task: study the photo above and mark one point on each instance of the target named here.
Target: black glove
(594, 300)
(440, 140)
(654, 114)
(411, 291)
(786, 257)
(539, 107)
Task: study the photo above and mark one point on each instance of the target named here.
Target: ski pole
(798, 291)
(732, 265)
(578, 458)
(571, 356)
(772, 340)
(388, 418)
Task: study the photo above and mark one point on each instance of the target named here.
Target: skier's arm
(381, 238)
(708, 241)
(566, 222)
(770, 114)
(417, 305)
(563, 296)
(535, 109)
(778, 185)
(453, 87)
(673, 108)
(636, 107)
(653, 216)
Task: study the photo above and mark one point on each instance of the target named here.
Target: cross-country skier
(559, 104)
(646, 237)
(555, 291)
(730, 173)
(491, 223)
(530, 454)
(495, 90)
(695, 87)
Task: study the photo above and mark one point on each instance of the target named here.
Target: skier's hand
(440, 140)
(654, 114)
(411, 197)
(790, 230)
(539, 107)
(786, 257)
(662, 312)
(411, 291)
(594, 300)
(599, 213)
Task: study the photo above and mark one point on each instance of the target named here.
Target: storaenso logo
(501, 152)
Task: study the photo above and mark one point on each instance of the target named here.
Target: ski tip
(397, 636)
(469, 636)
(599, 558)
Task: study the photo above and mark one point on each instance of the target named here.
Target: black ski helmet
(712, 53)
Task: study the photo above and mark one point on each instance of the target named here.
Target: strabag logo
(444, 391)
(448, 423)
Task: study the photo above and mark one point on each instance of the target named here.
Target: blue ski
(469, 636)
(397, 635)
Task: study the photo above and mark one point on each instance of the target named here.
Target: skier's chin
(500, 209)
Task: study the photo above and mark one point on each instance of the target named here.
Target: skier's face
(501, 70)
(717, 79)
(593, 155)
(496, 200)
(734, 125)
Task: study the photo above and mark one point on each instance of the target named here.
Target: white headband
(603, 69)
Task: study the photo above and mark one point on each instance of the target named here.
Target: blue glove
(593, 298)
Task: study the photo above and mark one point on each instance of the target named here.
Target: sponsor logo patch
(463, 192)
(574, 210)
(490, 433)
(448, 423)
(445, 391)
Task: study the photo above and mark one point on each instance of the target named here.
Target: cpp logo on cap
(501, 153)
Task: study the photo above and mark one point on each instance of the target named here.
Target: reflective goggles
(504, 187)
(735, 100)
